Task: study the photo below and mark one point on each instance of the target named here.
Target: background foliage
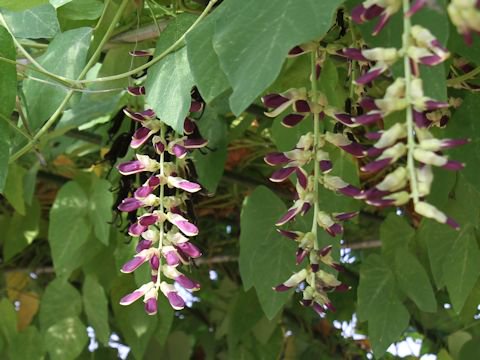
(62, 245)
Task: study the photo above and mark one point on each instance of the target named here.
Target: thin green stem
(406, 38)
(70, 93)
(464, 77)
(162, 194)
(30, 57)
(15, 127)
(316, 134)
(156, 59)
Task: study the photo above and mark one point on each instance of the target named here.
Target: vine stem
(316, 134)
(408, 98)
(162, 193)
(49, 123)
(156, 59)
(464, 77)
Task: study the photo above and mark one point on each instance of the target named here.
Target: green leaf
(244, 314)
(35, 23)
(66, 339)
(27, 345)
(253, 44)
(57, 3)
(378, 304)
(16, 5)
(22, 230)
(4, 151)
(456, 341)
(204, 64)
(464, 124)
(59, 301)
(13, 190)
(469, 350)
(210, 166)
(285, 138)
(68, 229)
(395, 234)
(413, 280)
(266, 259)
(96, 307)
(461, 263)
(8, 325)
(100, 208)
(81, 9)
(136, 327)
(170, 81)
(43, 99)
(179, 346)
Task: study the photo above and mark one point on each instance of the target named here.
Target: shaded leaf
(27, 344)
(81, 9)
(96, 307)
(253, 44)
(266, 259)
(8, 325)
(13, 190)
(66, 339)
(35, 23)
(100, 208)
(16, 5)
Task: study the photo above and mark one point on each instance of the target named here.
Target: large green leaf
(395, 234)
(170, 81)
(252, 44)
(100, 208)
(96, 308)
(210, 166)
(27, 344)
(22, 230)
(35, 23)
(204, 64)
(13, 190)
(16, 5)
(68, 229)
(378, 304)
(59, 301)
(66, 339)
(81, 9)
(66, 55)
(8, 325)
(8, 90)
(413, 280)
(266, 258)
(465, 124)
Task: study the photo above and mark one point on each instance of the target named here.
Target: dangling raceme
(403, 153)
(317, 282)
(161, 227)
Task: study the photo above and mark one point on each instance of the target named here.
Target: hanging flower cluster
(405, 152)
(465, 15)
(300, 103)
(161, 226)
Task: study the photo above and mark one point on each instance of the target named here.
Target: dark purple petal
(143, 245)
(369, 76)
(346, 215)
(289, 234)
(175, 300)
(417, 5)
(276, 158)
(305, 207)
(151, 306)
(453, 165)
(335, 229)
(136, 90)
(196, 106)
(450, 143)
(130, 298)
(179, 151)
(189, 126)
(306, 302)
(345, 119)
(314, 267)
(274, 100)
(143, 192)
(431, 60)
(368, 104)
(140, 136)
(420, 119)
(374, 135)
(301, 106)
(281, 288)
(301, 254)
(354, 148)
(325, 165)
(452, 223)
(130, 167)
(372, 12)
(154, 262)
(318, 309)
(358, 14)
(187, 283)
(282, 174)
(133, 264)
(384, 18)
(368, 118)
(295, 51)
(342, 288)
(374, 193)
(434, 105)
(374, 152)
(129, 204)
(147, 219)
(325, 250)
(133, 115)
(289, 215)
(292, 119)
(159, 147)
(353, 54)
(302, 178)
(136, 229)
(376, 165)
(172, 258)
(189, 249)
(195, 143)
